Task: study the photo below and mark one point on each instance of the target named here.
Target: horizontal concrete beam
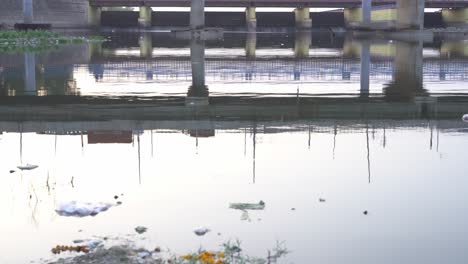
(271, 3)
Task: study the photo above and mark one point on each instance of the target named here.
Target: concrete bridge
(371, 14)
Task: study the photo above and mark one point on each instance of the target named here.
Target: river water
(356, 146)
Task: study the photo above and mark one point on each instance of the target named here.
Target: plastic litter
(79, 209)
(465, 118)
(27, 167)
(201, 231)
(248, 206)
(141, 229)
(322, 200)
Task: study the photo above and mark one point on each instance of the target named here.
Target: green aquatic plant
(13, 41)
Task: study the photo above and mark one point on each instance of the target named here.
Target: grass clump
(12, 41)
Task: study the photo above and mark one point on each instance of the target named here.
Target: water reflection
(369, 124)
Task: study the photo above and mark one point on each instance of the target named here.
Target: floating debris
(201, 231)
(293, 209)
(60, 249)
(365, 212)
(141, 229)
(465, 118)
(79, 209)
(12, 171)
(27, 167)
(116, 197)
(322, 200)
(248, 206)
(245, 216)
(157, 249)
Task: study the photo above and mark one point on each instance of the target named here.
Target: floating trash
(465, 118)
(322, 200)
(12, 171)
(201, 231)
(79, 209)
(27, 167)
(60, 249)
(365, 213)
(141, 229)
(248, 206)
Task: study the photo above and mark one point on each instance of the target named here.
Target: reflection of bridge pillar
(146, 45)
(410, 14)
(457, 17)
(28, 11)
(365, 69)
(302, 15)
(145, 16)
(94, 16)
(30, 73)
(198, 92)
(251, 18)
(251, 45)
(197, 14)
(454, 48)
(408, 79)
(302, 44)
(95, 50)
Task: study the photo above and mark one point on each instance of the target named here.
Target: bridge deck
(269, 3)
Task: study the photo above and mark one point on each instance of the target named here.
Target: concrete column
(251, 18)
(410, 14)
(365, 69)
(146, 45)
(408, 78)
(302, 44)
(145, 16)
(198, 92)
(28, 11)
(303, 17)
(251, 45)
(366, 11)
(197, 14)
(457, 17)
(94, 16)
(30, 73)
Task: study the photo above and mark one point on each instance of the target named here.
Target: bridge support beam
(28, 11)
(457, 17)
(302, 44)
(251, 18)
(198, 93)
(303, 20)
(366, 12)
(146, 46)
(94, 16)
(410, 14)
(197, 14)
(365, 69)
(145, 16)
(251, 45)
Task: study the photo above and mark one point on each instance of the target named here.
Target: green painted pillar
(303, 20)
(251, 45)
(251, 18)
(145, 16)
(146, 46)
(94, 16)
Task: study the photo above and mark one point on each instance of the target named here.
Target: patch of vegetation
(12, 41)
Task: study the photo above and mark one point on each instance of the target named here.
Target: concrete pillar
(94, 16)
(303, 17)
(146, 45)
(251, 45)
(410, 14)
(366, 11)
(28, 11)
(408, 76)
(251, 18)
(302, 44)
(198, 92)
(145, 16)
(197, 14)
(365, 69)
(30, 73)
(457, 17)
(94, 50)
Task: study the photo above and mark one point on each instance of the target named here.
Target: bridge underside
(270, 3)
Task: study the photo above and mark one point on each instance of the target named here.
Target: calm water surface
(179, 129)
